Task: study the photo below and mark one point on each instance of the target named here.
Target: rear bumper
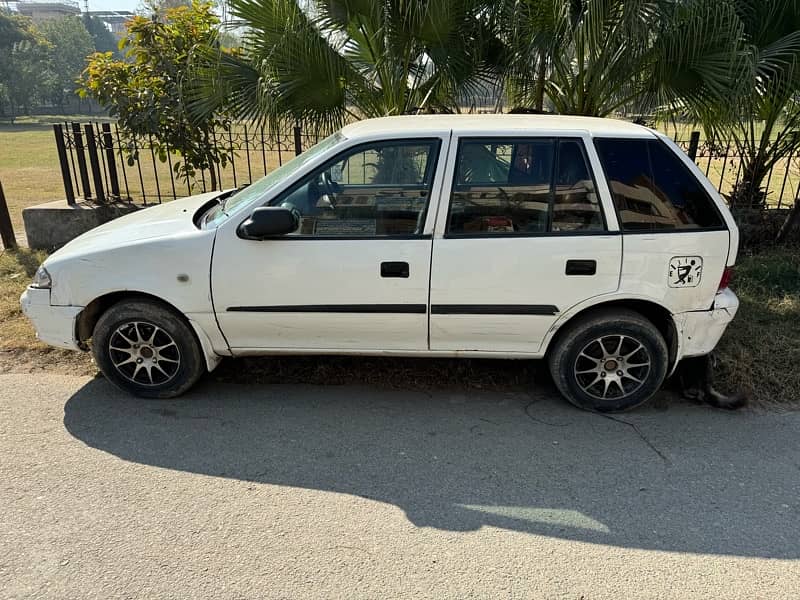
(700, 331)
(55, 325)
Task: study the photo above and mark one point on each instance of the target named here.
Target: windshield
(257, 189)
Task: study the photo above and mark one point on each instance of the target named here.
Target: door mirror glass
(269, 221)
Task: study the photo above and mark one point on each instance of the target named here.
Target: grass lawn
(16, 270)
(757, 355)
(19, 348)
(760, 351)
(28, 169)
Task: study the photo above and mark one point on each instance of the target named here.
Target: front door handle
(394, 269)
(581, 267)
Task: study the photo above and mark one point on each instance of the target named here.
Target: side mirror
(268, 221)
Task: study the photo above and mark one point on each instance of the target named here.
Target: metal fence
(95, 164)
(722, 165)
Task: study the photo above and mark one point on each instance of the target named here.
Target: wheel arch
(657, 314)
(88, 317)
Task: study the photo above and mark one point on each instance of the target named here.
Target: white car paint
(143, 252)
(202, 272)
(514, 271)
(324, 272)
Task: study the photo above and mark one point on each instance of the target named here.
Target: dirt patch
(45, 359)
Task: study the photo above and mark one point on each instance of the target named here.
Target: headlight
(42, 279)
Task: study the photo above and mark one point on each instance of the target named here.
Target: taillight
(725, 281)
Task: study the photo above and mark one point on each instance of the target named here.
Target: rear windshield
(653, 189)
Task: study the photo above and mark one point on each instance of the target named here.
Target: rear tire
(146, 349)
(611, 360)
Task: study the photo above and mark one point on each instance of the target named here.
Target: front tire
(609, 361)
(146, 349)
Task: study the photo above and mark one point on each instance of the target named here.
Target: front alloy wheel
(144, 353)
(147, 349)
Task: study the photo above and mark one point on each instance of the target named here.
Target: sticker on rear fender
(685, 271)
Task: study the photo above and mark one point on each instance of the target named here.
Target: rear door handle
(581, 267)
(394, 269)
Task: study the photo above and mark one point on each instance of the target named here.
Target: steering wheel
(330, 187)
(291, 207)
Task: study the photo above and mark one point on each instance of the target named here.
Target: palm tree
(325, 61)
(598, 57)
(762, 119)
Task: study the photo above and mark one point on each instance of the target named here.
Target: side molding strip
(494, 309)
(417, 309)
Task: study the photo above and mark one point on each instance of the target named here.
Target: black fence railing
(96, 164)
(722, 165)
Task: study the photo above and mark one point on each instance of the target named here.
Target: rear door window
(653, 189)
(575, 204)
(522, 186)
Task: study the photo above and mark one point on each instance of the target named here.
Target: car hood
(162, 220)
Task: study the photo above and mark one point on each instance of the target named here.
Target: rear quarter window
(653, 189)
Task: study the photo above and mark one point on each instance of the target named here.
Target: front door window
(373, 190)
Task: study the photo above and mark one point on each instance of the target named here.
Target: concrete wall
(49, 226)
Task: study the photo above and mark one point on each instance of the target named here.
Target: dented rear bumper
(700, 331)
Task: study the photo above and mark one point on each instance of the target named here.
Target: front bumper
(700, 331)
(55, 325)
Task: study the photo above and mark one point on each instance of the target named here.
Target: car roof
(486, 124)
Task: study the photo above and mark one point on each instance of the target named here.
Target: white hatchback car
(594, 243)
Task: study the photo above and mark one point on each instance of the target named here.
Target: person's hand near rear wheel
(146, 349)
(610, 360)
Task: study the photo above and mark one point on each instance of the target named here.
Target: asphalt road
(317, 492)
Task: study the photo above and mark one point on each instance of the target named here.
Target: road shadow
(682, 478)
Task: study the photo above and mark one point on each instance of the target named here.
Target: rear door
(522, 235)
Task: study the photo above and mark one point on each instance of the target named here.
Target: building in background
(44, 10)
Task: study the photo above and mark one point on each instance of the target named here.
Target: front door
(521, 238)
(355, 274)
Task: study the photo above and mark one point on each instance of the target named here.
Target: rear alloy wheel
(147, 349)
(611, 360)
(612, 366)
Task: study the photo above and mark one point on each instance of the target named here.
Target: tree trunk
(208, 158)
(541, 74)
(213, 176)
(791, 221)
(747, 194)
